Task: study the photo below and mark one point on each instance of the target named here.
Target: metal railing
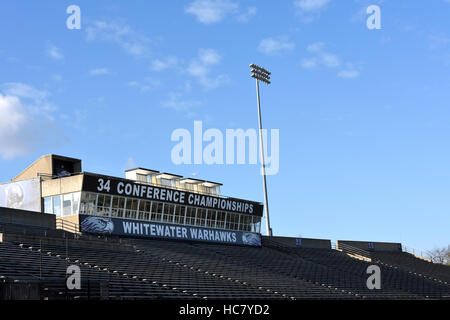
(51, 176)
(179, 187)
(415, 252)
(354, 251)
(68, 226)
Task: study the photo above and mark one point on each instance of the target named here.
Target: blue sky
(363, 114)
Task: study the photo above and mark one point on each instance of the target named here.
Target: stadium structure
(156, 235)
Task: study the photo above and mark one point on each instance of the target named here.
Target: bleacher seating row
(409, 262)
(349, 273)
(162, 269)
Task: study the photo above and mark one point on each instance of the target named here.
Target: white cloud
(213, 11)
(13, 122)
(99, 72)
(177, 102)
(36, 100)
(26, 120)
(330, 60)
(308, 10)
(309, 63)
(348, 74)
(12, 115)
(54, 52)
(276, 46)
(315, 47)
(361, 14)
(22, 90)
(161, 65)
(322, 58)
(200, 68)
(197, 69)
(245, 16)
(438, 41)
(78, 119)
(214, 82)
(311, 5)
(147, 85)
(133, 42)
(209, 57)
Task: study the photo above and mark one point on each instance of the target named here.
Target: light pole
(261, 74)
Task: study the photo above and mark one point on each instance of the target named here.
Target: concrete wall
(304, 243)
(377, 246)
(43, 165)
(75, 219)
(31, 218)
(60, 186)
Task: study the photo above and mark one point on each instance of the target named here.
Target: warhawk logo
(14, 196)
(251, 239)
(97, 225)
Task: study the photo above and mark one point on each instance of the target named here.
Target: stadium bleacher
(415, 265)
(349, 274)
(126, 268)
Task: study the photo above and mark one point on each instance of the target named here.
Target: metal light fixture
(260, 73)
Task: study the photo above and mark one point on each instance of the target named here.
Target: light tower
(261, 74)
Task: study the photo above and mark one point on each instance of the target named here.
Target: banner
(125, 227)
(24, 195)
(128, 188)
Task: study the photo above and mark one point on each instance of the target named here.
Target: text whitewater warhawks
(159, 230)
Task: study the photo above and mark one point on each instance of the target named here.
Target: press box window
(56, 205)
(48, 205)
(67, 204)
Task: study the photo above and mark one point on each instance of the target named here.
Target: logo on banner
(14, 196)
(97, 225)
(251, 239)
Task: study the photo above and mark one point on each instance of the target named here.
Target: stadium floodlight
(261, 74)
